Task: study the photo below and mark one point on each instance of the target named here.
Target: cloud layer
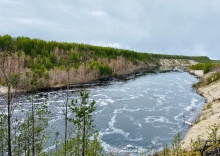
(162, 26)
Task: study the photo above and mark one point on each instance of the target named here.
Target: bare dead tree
(10, 78)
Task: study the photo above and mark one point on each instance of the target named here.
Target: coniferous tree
(86, 138)
(26, 143)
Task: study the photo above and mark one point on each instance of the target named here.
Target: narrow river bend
(138, 111)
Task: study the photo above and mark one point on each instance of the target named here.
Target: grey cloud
(163, 26)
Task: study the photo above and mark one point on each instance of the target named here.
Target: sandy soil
(177, 62)
(3, 90)
(209, 116)
(198, 73)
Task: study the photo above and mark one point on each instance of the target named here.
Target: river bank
(155, 119)
(83, 84)
(209, 116)
(3, 90)
(58, 80)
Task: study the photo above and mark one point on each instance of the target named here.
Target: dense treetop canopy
(78, 53)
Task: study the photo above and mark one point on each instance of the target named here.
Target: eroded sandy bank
(3, 90)
(209, 116)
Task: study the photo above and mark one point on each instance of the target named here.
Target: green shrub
(212, 78)
(103, 69)
(206, 67)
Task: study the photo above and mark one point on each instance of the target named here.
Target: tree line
(49, 62)
(77, 53)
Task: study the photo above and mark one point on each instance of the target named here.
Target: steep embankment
(177, 62)
(209, 87)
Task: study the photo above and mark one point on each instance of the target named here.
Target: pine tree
(33, 135)
(86, 138)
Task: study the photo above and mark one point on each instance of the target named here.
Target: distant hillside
(53, 64)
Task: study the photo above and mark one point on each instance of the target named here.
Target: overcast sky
(184, 27)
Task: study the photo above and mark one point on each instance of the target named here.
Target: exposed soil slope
(209, 116)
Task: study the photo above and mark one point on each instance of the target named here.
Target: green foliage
(42, 57)
(14, 78)
(94, 148)
(85, 141)
(206, 67)
(43, 115)
(196, 145)
(77, 53)
(7, 43)
(214, 77)
(210, 79)
(216, 61)
(75, 59)
(24, 142)
(212, 132)
(103, 69)
(176, 150)
(201, 59)
(94, 65)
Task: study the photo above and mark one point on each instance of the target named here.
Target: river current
(136, 111)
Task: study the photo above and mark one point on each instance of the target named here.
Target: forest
(31, 64)
(53, 64)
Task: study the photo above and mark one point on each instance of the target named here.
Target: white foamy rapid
(135, 114)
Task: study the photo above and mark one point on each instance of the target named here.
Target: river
(136, 111)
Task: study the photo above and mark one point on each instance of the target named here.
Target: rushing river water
(137, 111)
